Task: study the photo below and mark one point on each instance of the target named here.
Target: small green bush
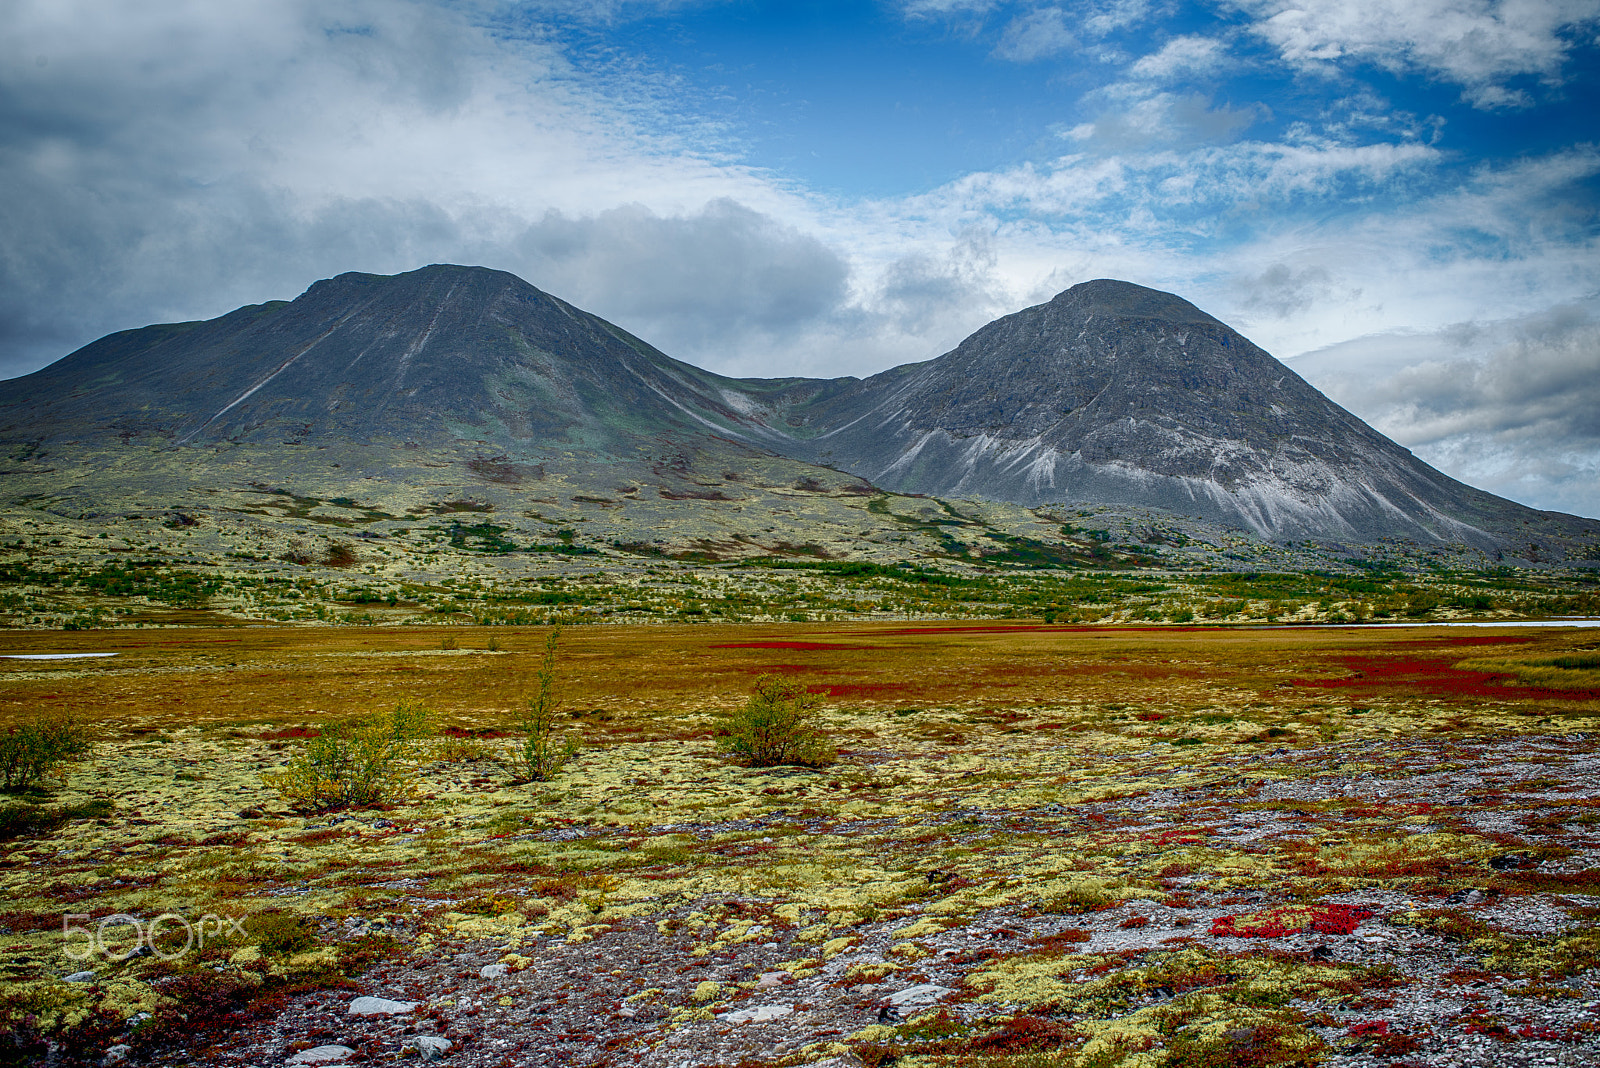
(776, 727)
(362, 762)
(542, 752)
(38, 747)
(281, 933)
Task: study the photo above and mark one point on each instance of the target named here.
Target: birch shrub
(778, 726)
(543, 751)
(35, 749)
(364, 761)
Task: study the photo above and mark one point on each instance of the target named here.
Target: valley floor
(1040, 845)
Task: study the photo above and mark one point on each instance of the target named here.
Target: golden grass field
(1172, 830)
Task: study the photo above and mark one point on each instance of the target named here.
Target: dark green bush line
(24, 819)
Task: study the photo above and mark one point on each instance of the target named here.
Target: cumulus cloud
(1481, 45)
(1036, 35)
(1511, 405)
(722, 278)
(1185, 55)
(1109, 16)
(1139, 119)
(940, 8)
(1283, 290)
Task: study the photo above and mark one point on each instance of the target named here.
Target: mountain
(1110, 393)
(1114, 393)
(440, 354)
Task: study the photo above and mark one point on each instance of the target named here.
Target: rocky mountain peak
(1125, 300)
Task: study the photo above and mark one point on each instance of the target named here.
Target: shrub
(464, 750)
(543, 752)
(281, 933)
(776, 727)
(362, 762)
(36, 748)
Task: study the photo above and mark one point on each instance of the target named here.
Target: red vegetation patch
(862, 689)
(1023, 1034)
(1277, 923)
(990, 628)
(824, 646)
(291, 732)
(1435, 676)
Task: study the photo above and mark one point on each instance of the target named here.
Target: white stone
(759, 1014)
(921, 994)
(117, 1054)
(492, 971)
(322, 1055)
(80, 977)
(428, 1047)
(369, 1006)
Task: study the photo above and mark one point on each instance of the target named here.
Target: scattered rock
(80, 977)
(769, 980)
(426, 1047)
(117, 1054)
(493, 971)
(758, 1014)
(322, 1055)
(370, 1006)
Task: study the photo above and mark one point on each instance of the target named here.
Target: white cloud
(1037, 35)
(1477, 44)
(718, 281)
(1132, 118)
(938, 8)
(1179, 56)
(1112, 15)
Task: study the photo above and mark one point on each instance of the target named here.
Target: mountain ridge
(1109, 393)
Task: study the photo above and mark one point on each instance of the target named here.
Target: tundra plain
(1041, 844)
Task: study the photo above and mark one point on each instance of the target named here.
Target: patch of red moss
(1433, 675)
(1280, 922)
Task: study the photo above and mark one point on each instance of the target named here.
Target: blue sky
(1397, 197)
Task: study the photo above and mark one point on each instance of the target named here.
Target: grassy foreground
(1102, 846)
